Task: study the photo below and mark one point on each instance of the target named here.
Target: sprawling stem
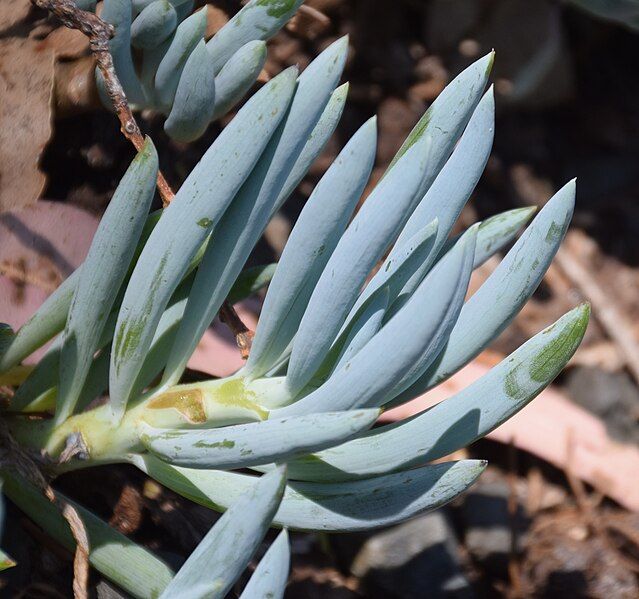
(205, 404)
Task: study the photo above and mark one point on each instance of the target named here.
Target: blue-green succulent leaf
(229, 546)
(509, 287)
(118, 13)
(316, 142)
(255, 443)
(311, 243)
(455, 182)
(153, 25)
(371, 232)
(408, 342)
(494, 233)
(258, 20)
(245, 220)
(185, 226)
(346, 506)
(457, 421)
(238, 75)
(407, 261)
(194, 100)
(188, 34)
(447, 117)
(271, 574)
(102, 274)
(364, 326)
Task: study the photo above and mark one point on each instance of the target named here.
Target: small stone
(415, 559)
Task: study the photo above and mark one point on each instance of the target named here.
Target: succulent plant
(164, 63)
(338, 339)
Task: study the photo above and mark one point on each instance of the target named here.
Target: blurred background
(557, 511)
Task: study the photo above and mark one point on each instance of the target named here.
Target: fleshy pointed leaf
(368, 236)
(258, 20)
(457, 421)
(447, 117)
(409, 261)
(228, 547)
(185, 225)
(494, 233)
(270, 577)
(396, 354)
(349, 506)
(365, 325)
(102, 274)
(316, 142)
(245, 220)
(310, 245)
(237, 76)
(455, 182)
(153, 25)
(245, 445)
(194, 100)
(188, 34)
(509, 287)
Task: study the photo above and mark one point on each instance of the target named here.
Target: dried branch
(99, 33)
(605, 309)
(243, 335)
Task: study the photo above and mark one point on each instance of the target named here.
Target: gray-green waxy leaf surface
(331, 507)
(187, 36)
(457, 421)
(194, 101)
(408, 342)
(309, 247)
(102, 274)
(244, 445)
(270, 577)
(238, 75)
(228, 547)
(153, 25)
(185, 225)
(258, 20)
(509, 287)
(250, 211)
(368, 236)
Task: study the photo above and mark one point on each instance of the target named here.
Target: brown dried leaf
(68, 43)
(12, 12)
(26, 87)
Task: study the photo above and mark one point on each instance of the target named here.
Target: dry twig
(243, 335)
(604, 308)
(99, 34)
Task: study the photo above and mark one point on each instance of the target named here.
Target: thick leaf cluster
(164, 62)
(338, 339)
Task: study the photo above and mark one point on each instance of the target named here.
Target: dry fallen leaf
(26, 87)
(12, 12)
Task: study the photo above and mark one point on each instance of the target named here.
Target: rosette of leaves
(362, 313)
(164, 63)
